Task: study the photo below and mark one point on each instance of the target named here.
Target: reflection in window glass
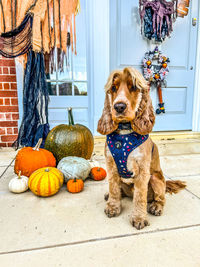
(80, 88)
(65, 88)
(51, 88)
(66, 74)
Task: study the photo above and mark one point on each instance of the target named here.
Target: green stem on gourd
(70, 117)
(19, 175)
(74, 180)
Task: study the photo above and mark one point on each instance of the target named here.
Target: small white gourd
(18, 184)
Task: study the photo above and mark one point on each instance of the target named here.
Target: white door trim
(196, 100)
(98, 32)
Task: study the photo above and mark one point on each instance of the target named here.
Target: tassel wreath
(156, 73)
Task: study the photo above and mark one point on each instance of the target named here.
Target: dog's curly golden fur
(127, 100)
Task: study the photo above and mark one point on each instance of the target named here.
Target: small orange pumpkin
(148, 62)
(30, 159)
(98, 173)
(164, 65)
(75, 185)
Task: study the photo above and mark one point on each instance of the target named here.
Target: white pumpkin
(18, 184)
(93, 163)
(74, 167)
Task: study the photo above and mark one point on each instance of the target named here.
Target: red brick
(3, 144)
(15, 130)
(12, 71)
(5, 71)
(8, 138)
(14, 101)
(1, 86)
(3, 131)
(6, 93)
(13, 86)
(7, 78)
(7, 62)
(8, 123)
(6, 86)
(15, 117)
(9, 131)
(7, 101)
(0, 70)
(8, 116)
(8, 108)
(1, 101)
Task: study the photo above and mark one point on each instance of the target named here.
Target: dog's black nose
(120, 107)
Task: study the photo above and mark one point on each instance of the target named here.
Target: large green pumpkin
(70, 140)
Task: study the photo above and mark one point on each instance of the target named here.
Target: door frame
(196, 97)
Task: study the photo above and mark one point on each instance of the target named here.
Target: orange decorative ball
(157, 76)
(98, 173)
(30, 159)
(164, 65)
(75, 185)
(148, 62)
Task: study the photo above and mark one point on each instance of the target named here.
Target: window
(73, 80)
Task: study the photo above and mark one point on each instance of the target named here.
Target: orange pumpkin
(75, 185)
(98, 173)
(164, 65)
(30, 159)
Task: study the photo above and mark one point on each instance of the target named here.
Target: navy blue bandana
(121, 146)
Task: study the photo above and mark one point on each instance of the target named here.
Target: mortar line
(101, 239)
(6, 168)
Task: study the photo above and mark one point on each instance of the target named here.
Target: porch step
(166, 147)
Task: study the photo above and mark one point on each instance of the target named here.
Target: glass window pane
(51, 88)
(80, 88)
(65, 88)
(79, 61)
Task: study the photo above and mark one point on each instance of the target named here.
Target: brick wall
(9, 113)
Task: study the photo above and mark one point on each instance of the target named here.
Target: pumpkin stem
(99, 169)
(46, 170)
(70, 117)
(19, 175)
(37, 146)
(74, 180)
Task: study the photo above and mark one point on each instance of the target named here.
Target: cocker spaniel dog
(132, 159)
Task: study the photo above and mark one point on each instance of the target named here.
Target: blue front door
(128, 46)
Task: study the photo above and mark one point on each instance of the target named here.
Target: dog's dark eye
(133, 88)
(114, 89)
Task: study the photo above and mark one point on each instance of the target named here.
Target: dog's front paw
(138, 222)
(112, 209)
(155, 208)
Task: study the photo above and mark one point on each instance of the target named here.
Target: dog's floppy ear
(106, 125)
(145, 117)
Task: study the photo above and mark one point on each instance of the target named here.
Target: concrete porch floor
(72, 230)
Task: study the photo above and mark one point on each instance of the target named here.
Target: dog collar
(124, 126)
(121, 146)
